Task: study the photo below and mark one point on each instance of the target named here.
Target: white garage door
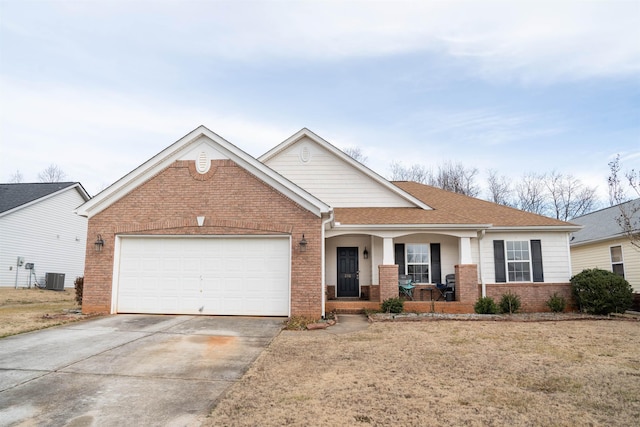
(191, 275)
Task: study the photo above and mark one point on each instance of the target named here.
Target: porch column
(467, 283)
(388, 255)
(465, 250)
(388, 281)
(388, 271)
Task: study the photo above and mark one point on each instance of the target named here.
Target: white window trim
(507, 261)
(621, 256)
(428, 263)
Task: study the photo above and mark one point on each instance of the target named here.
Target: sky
(99, 87)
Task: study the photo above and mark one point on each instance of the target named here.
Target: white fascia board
(600, 240)
(76, 186)
(426, 227)
(567, 228)
(167, 156)
(340, 154)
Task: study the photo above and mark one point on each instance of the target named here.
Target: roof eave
(76, 185)
(345, 157)
(564, 228)
(161, 160)
(413, 226)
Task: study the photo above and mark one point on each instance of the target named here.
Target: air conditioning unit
(55, 281)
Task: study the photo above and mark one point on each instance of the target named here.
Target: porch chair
(405, 285)
(449, 285)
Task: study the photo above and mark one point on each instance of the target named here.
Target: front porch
(426, 299)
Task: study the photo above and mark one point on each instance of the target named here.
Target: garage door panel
(225, 276)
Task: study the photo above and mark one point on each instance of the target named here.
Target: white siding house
(38, 224)
(602, 244)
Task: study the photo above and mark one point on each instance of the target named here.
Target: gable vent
(305, 154)
(203, 163)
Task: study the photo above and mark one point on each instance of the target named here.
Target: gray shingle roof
(14, 195)
(602, 224)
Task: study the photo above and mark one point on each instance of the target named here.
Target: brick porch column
(388, 276)
(467, 283)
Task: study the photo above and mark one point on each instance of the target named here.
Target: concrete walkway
(127, 369)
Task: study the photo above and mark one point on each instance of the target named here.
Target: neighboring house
(203, 227)
(38, 226)
(603, 244)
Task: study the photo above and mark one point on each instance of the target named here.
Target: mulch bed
(518, 317)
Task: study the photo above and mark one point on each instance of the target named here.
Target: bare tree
(568, 197)
(356, 154)
(530, 193)
(16, 178)
(416, 173)
(629, 218)
(500, 190)
(456, 178)
(52, 173)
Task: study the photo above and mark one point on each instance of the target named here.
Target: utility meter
(20, 261)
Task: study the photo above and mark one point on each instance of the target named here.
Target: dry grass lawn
(442, 373)
(24, 310)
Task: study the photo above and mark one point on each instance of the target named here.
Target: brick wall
(232, 201)
(466, 283)
(533, 296)
(388, 278)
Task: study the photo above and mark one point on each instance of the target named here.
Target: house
(603, 244)
(39, 229)
(203, 227)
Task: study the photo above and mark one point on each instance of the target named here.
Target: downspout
(481, 234)
(322, 258)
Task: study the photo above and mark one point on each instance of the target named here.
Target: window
(418, 262)
(617, 264)
(518, 261)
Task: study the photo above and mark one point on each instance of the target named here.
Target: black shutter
(536, 261)
(400, 258)
(436, 275)
(498, 261)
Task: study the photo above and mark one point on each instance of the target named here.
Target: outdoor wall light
(99, 243)
(365, 254)
(303, 244)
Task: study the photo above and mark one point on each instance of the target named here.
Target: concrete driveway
(127, 369)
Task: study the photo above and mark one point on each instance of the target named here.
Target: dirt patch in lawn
(24, 310)
(447, 372)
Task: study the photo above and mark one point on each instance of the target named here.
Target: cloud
(97, 136)
(530, 42)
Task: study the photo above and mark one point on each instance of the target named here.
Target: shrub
(485, 305)
(556, 303)
(79, 285)
(392, 305)
(509, 303)
(601, 292)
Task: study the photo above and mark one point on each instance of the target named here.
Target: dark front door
(348, 272)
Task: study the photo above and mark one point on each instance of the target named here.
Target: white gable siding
(331, 179)
(48, 234)
(597, 255)
(556, 263)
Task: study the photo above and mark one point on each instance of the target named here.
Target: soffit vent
(203, 163)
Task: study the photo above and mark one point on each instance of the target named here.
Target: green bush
(509, 303)
(392, 305)
(601, 292)
(79, 285)
(485, 305)
(556, 303)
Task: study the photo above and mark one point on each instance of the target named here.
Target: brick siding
(233, 202)
(533, 296)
